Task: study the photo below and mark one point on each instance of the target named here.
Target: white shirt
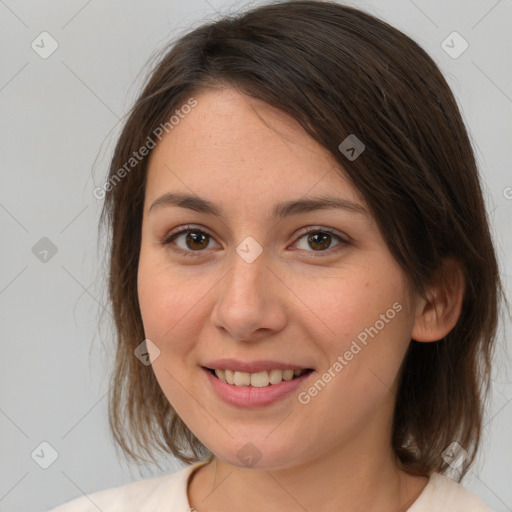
(168, 493)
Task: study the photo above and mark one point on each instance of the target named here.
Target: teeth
(288, 374)
(242, 379)
(230, 376)
(258, 379)
(275, 376)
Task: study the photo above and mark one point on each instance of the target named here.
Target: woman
(303, 281)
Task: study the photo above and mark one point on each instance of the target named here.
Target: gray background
(60, 116)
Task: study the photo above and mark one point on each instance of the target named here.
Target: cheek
(174, 303)
(165, 298)
(166, 301)
(359, 316)
(347, 302)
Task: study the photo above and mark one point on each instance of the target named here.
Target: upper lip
(252, 366)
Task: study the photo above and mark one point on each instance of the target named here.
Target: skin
(293, 304)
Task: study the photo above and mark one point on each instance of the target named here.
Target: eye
(193, 240)
(319, 239)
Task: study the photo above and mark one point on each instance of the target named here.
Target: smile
(257, 379)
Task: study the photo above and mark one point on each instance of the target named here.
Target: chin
(262, 455)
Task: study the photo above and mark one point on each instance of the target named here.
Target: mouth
(259, 379)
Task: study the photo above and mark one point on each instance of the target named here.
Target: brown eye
(189, 240)
(196, 240)
(319, 240)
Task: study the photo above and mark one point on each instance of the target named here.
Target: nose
(250, 303)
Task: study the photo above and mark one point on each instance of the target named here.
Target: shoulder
(442, 494)
(146, 495)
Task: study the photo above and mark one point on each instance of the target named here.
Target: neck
(346, 478)
(359, 474)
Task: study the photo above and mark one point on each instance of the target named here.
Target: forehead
(232, 148)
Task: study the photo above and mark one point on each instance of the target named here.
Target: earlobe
(438, 316)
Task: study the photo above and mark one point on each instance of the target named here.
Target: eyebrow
(279, 211)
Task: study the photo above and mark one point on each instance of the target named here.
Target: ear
(436, 317)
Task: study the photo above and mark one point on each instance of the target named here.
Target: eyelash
(192, 229)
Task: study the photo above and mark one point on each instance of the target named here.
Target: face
(305, 287)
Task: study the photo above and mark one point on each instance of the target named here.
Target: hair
(337, 71)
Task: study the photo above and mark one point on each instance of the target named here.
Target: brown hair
(337, 71)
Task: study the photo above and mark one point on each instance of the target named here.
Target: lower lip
(248, 396)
